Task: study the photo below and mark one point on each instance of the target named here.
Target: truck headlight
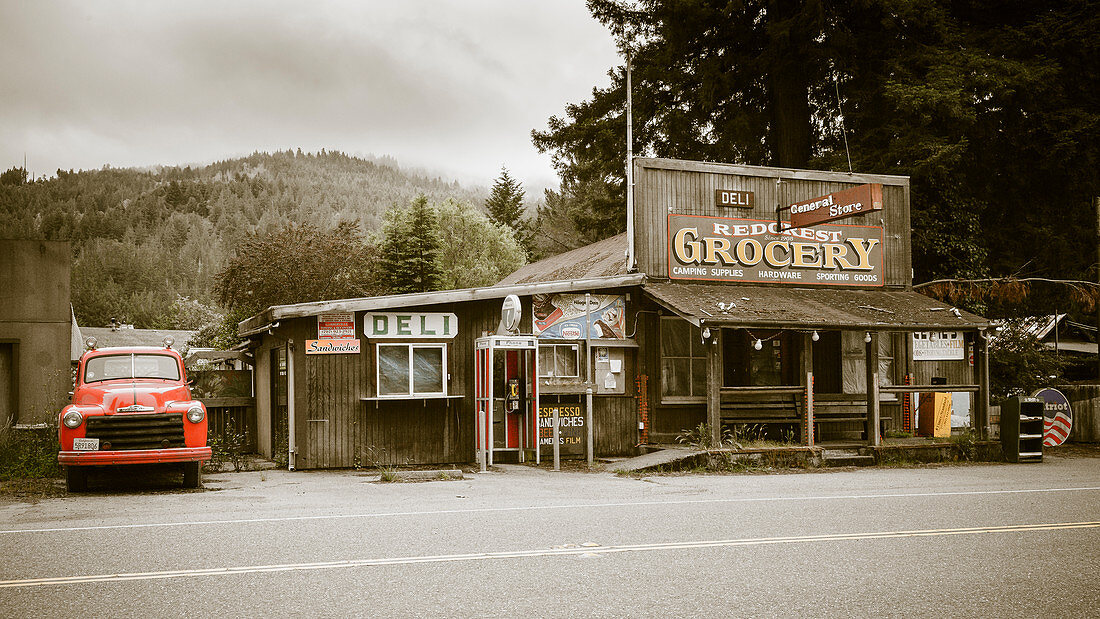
(72, 419)
(195, 414)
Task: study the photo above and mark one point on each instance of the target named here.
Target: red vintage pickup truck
(131, 406)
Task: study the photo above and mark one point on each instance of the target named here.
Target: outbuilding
(740, 296)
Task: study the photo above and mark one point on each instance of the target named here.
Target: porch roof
(810, 308)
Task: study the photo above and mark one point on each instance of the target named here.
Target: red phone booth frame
(525, 361)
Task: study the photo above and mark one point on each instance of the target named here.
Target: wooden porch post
(982, 408)
(714, 385)
(873, 413)
(807, 420)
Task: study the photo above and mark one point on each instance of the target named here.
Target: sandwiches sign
(752, 250)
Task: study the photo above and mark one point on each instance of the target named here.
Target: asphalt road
(981, 540)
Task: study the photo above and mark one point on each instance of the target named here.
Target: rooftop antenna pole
(630, 266)
(843, 131)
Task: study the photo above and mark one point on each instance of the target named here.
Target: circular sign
(510, 313)
(1057, 416)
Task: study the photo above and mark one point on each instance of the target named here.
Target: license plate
(85, 444)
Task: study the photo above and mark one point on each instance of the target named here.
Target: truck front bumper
(137, 456)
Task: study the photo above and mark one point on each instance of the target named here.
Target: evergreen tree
(409, 247)
(988, 105)
(505, 202)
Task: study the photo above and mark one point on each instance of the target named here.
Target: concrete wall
(35, 328)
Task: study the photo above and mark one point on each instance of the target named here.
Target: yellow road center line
(542, 552)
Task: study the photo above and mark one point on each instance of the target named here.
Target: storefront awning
(810, 308)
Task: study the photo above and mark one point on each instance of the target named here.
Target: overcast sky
(455, 86)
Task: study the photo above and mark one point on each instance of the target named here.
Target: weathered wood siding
(615, 425)
(664, 186)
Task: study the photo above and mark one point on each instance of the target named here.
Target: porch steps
(846, 457)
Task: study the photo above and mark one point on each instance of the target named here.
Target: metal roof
(811, 308)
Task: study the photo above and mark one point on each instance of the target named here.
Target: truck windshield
(110, 367)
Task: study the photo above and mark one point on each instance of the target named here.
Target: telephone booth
(506, 397)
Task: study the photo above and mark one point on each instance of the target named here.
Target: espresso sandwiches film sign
(751, 250)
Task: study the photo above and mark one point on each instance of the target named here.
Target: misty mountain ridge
(146, 241)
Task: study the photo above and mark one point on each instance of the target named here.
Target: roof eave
(262, 321)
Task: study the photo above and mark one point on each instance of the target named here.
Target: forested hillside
(147, 245)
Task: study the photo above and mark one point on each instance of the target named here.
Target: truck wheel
(192, 474)
(76, 478)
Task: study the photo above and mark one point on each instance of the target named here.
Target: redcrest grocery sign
(752, 250)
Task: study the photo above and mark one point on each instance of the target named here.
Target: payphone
(506, 397)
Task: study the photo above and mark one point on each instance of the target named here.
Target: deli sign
(735, 198)
(410, 325)
(837, 205)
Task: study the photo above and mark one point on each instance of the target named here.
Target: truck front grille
(123, 432)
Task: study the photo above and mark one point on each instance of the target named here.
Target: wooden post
(1098, 282)
(714, 386)
(982, 409)
(807, 420)
(873, 414)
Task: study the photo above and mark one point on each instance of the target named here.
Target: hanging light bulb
(758, 345)
(706, 333)
(815, 337)
(867, 338)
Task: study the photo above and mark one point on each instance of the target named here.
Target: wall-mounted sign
(938, 346)
(331, 347)
(837, 205)
(408, 325)
(735, 198)
(1057, 416)
(510, 313)
(571, 432)
(336, 326)
(564, 316)
(750, 250)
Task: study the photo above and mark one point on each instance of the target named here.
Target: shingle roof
(604, 258)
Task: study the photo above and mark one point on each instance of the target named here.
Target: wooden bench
(761, 407)
(788, 408)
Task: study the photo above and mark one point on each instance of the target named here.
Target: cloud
(455, 86)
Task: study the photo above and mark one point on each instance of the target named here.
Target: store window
(774, 364)
(559, 360)
(854, 362)
(411, 369)
(683, 360)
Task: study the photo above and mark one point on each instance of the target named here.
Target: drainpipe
(291, 447)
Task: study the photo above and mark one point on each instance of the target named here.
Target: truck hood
(133, 396)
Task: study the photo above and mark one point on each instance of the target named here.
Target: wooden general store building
(710, 311)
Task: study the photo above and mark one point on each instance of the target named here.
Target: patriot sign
(1057, 417)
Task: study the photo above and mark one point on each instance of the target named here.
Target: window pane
(675, 336)
(393, 370)
(675, 377)
(546, 361)
(699, 377)
(567, 360)
(427, 370)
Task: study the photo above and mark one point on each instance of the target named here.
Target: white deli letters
(410, 325)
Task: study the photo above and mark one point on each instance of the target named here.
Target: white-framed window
(559, 360)
(411, 369)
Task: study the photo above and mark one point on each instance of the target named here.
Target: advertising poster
(564, 316)
(571, 432)
(938, 346)
(336, 326)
